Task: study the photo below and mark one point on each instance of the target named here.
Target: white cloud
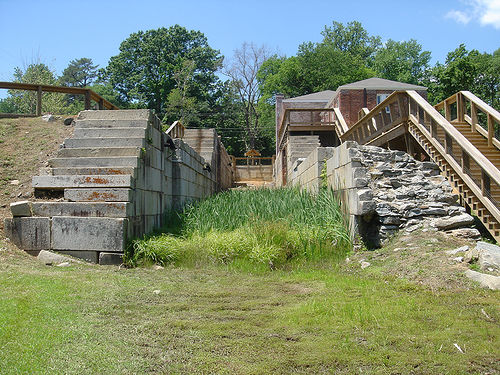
(458, 16)
(487, 12)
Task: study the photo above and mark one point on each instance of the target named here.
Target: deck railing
(176, 130)
(464, 106)
(87, 93)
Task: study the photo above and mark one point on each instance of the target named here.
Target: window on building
(380, 99)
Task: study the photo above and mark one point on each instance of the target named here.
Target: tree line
(175, 72)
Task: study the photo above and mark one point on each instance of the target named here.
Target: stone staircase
(93, 196)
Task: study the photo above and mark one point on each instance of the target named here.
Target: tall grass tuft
(268, 226)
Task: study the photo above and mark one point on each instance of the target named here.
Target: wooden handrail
(88, 93)
(492, 115)
(176, 130)
(457, 137)
(367, 126)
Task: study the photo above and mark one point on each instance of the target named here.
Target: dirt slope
(25, 146)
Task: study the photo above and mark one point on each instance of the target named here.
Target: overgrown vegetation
(268, 227)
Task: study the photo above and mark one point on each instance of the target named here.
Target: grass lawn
(325, 319)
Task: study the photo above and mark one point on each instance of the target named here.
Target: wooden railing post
(87, 99)
(473, 116)
(101, 103)
(460, 107)
(39, 101)
(491, 129)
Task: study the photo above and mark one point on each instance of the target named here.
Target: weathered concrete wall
(306, 173)
(248, 173)
(113, 180)
(296, 147)
(208, 145)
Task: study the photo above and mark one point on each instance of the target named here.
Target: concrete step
(122, 114)
(93, 171)
(96, 162)
(95, 123)
(61, 182)
(98, 152)
(85, 209)
(98, 195)
(88, 233)
(109, 133)
(104, 142)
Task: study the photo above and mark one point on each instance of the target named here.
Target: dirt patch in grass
(419, 257)
(25, 146)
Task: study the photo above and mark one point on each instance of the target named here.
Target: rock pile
(405, 194)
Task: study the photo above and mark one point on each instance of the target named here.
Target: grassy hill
(25, 146)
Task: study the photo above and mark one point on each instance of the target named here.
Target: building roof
(380, 84)
(322, 96)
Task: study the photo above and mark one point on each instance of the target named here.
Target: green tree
(459, 72)
(79, 73)
(144, 70)
(25, 101)
(402, 61)
(352, 38)
(488, 79)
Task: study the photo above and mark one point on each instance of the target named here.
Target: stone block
(93, 171)
(111, 123)
(104, 142)
(76, 181)
(97, 162)
(109, 133)
(19, 209)
(99, 152)
(88, 233)
(110, 259)
(29, 233)
(98, 195)
(81, 209)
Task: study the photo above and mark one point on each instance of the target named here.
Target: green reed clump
(268, 226)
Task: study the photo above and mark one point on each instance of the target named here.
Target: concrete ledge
(111, 123)
(109, 133)
(98, 195)
(86, 209)
(98, 152)
(88, 233)
(81, 171)
(104, 142)
(95, 162)
(61, 182)
(29, 233)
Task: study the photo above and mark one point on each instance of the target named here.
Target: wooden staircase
(462, 143)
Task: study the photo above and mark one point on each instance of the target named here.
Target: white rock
(365, 264)
(458, 259)
(48, 257)
(64, 264)
(489, 256)
(48, 118)
(157, 291)
(458, 250)
(14, 182)
(468, 233)
(453, 222)
(485, 280)
(157, 267)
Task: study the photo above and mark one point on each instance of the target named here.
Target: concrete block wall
(306, 173)
(112, 181)
(208, 144)
(299, 146)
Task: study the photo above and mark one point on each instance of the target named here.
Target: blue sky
(56, 32)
